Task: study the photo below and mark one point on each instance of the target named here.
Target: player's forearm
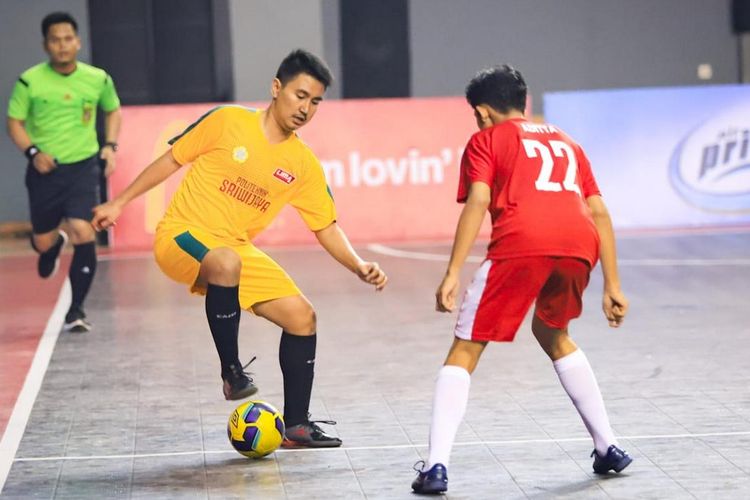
(334, 241)
(467, 230)
(151, 176)
(607, 250)
(112, 121)
(17, 133)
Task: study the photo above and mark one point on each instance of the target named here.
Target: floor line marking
(388, 447)
(26, 398)
(408, 254)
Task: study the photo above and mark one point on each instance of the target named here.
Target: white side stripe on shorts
(468, 310)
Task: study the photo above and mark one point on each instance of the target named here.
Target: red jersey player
(549, 227)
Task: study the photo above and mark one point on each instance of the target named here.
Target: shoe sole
(618, 468)
(77, 326)
(242, 394)
(57, 260)
(425, 491)
(296, 445)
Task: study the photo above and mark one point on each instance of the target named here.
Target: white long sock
(579, 382)
(448, 408)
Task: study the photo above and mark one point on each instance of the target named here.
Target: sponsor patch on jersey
(239, 154)
(284, 176)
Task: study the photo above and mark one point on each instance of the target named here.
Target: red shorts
(502, 292)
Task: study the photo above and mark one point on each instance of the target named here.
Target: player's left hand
(108, 155)
(370, 272)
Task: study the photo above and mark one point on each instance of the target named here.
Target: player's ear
(482, 116)
(275, 88)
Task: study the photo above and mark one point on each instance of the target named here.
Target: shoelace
(314, 423)
(421, 465)
(241, 371)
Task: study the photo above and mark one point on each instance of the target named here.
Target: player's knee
(308, 321)
(80, 231)
(221, 264)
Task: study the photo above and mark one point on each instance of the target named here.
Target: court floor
(134, 409)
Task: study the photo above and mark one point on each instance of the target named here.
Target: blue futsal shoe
(615, 459)
(431, 481)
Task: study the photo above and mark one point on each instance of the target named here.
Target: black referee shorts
(69, 191)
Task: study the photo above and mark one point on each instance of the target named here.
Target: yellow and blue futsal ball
(255, 429)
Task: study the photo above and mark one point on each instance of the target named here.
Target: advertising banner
(392, 165)
(664, 157)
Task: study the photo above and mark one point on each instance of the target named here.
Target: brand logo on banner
(710, 168)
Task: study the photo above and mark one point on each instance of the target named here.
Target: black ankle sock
(297, 360)
(223, 313)
(82, 270)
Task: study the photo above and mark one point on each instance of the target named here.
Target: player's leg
(46, 208)
(80, 195)
(493, 307)
(558, 303)
(451, 397)
(209, 267)
(296, 317)
(219, 274)
(81, 272)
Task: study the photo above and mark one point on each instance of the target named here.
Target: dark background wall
(571, 44)
(558, 45)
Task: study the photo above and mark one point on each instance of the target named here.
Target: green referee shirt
(59, 111)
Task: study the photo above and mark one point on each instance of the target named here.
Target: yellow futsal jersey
(239, 181)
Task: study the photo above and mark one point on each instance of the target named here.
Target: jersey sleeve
(476, 165)
(589, 186)
(109, 101)
(314, 200)
(20, 100)
(199, 138)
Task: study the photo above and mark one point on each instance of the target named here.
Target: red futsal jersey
(539, 180)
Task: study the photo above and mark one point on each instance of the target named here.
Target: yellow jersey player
(246, 166)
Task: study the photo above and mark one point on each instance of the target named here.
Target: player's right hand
(615, 306)
(44, 163)
(445, 297)
(105, 215)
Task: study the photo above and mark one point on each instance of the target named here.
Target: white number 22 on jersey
(559, 149)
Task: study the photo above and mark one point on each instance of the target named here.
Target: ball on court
(255, 429)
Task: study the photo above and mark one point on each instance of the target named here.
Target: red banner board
(392, 165)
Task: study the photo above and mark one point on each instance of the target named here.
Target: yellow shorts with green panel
(179, 251)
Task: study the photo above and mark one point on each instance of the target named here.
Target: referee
(52, 119)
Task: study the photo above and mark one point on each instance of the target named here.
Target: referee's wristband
(112, 145)
(31, 152)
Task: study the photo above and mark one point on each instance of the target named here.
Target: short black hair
(57, 18)
(500, 87)
(301, 61)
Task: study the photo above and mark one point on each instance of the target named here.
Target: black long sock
(82, 271)
(223, 313)
(297, 360)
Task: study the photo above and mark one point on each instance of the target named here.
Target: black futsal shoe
(238, 384)
(49, 261)
(615, 459)
(310, 435)
(431, 481)
(75, 321)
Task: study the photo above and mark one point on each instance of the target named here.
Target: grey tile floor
(134, 409)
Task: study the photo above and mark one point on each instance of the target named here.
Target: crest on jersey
(239, 154)
(284, 176)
